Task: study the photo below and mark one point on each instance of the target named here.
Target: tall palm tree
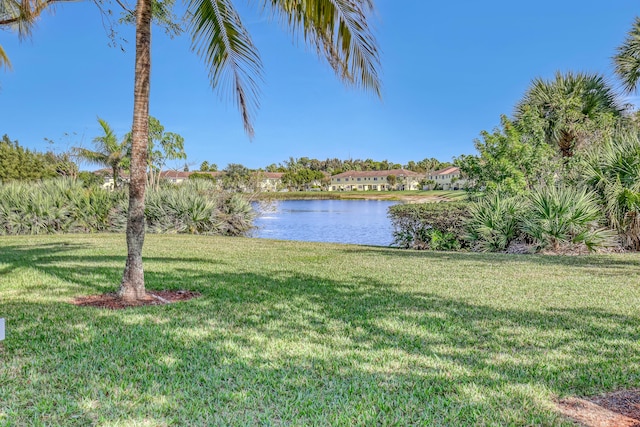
(574, 108)
(109, 151)
(627, 59)
(338, 29)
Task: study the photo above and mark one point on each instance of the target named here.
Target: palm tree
(627, 59)
(338, 29)
(109, 152)
(575, 109)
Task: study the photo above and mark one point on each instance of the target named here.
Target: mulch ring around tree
(617, 409)
(113, 302)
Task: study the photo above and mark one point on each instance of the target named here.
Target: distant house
(376, 180)
(269, 181)
(107, 176)
(447, 179)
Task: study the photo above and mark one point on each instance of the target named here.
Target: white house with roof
(269, 181)
(376, 180)
(447, 179)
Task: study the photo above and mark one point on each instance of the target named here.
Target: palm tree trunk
(114, 170)
(132, 286)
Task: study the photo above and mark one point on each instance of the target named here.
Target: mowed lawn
(290, 333)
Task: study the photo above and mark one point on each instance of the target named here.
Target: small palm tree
(627, 59)
(574, 108)
(109, 152)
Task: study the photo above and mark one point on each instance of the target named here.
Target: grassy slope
(296, 333)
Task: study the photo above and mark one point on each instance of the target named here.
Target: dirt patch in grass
(113, 302)
(617, 409)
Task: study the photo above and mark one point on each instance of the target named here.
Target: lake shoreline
(395, 196)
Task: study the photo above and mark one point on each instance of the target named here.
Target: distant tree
(110, 151)
(90, 179)
(236, 177)
(203, 175)
(509, 159)
(20, 164)
(208, 167)
(162, 147)
(392, 180)
(627, 59)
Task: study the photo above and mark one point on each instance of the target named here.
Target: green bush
(438, 226)
(561, 216)
(494, 222)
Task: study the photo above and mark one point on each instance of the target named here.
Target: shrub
(560, 216)
(494, 222)
(438, 226)
(612, 170)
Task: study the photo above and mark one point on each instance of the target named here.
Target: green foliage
(20, 164)
(237, 177)
(110, 151)
(494, 221)
(575, 109)
(197, 207)
(301, 177)
(208, 167)
(560, 216)
(161, 147)
(613, 172)
(512, 158)
(55, 206)
(438, 226)
(68, 206)
(627, 59)
(203, 175)
(90, 179)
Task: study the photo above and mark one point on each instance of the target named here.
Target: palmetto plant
(627, 59)
(110, 151)
(575, 109)
(495, 221)
(558, 216)
(613, 171)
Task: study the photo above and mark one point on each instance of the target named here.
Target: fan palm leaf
(627, 59)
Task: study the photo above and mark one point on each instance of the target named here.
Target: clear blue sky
(449, 70)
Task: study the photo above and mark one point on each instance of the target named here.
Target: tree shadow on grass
(631, 261)
(290, 348)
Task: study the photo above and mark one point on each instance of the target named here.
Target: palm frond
(4, 59)
(90, 156)
(340, 30)
(220, 38)
(627, 59)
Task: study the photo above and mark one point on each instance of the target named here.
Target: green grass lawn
(291, 333)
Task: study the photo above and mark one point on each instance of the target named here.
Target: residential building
(447, 179)
(376, 180)
(269, 181)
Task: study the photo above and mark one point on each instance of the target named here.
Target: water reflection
(362, 222)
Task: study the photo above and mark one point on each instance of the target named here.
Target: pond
(362, 222)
